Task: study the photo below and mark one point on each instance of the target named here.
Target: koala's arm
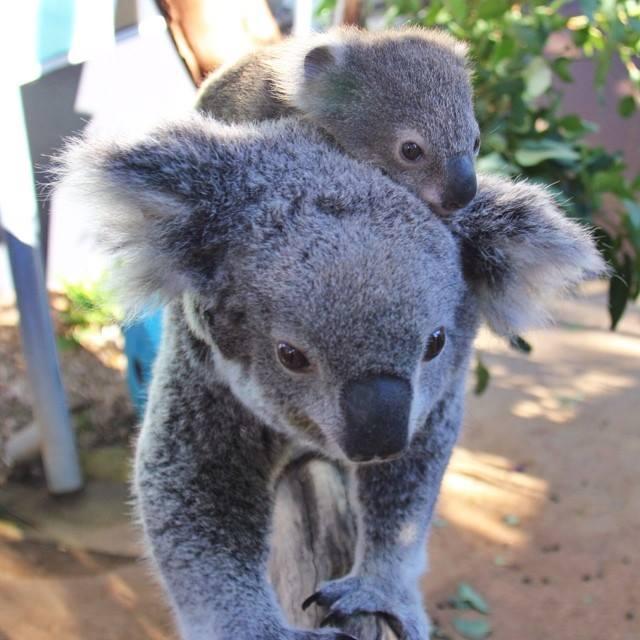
(203, 474)
(244, 92)
(201, 488)
(395, 502)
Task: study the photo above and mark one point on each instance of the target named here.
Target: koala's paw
(350, 596)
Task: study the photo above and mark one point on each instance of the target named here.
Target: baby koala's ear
(166, 206)
(318, 61)
(519, 251)
(322, 60)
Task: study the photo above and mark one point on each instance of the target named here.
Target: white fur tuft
(140, 276)
(516, 230)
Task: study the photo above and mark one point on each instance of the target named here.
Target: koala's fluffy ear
(164, 207)
(519, 250)
(318, 61)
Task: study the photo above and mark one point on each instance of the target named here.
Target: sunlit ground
(540, 508)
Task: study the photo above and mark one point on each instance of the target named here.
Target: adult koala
(315, 309)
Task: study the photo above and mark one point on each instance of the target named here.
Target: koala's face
(335, 305)
(347, 338)
(406, 106)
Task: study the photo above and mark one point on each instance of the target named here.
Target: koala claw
(356, 595)
(332, 620)
(314, 597)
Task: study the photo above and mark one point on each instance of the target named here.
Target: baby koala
(400, 99)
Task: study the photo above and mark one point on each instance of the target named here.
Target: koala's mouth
(310, 429)
(307, 427)
(377, 459)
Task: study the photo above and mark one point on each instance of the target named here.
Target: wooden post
(209, 33)
(348, 12)
(313, 540)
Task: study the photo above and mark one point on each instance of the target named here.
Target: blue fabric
(141, 342)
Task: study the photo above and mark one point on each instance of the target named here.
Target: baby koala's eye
(411, 151)
(476, 145)
(435, 344)
(292, 358)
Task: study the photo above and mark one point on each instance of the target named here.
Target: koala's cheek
(431, 192)
(420, 408)
(306, 427)
(427, 385)
(313, 418)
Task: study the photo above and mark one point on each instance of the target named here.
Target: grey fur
(370, 92)
(266, 232)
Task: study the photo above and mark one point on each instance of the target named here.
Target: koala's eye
(435, 344)
(292, 358)
(476, 145)
(411, 151)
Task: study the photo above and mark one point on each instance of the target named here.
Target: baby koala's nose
(376, 411)
(460, 186)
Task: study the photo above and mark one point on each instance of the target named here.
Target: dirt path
(540, 510)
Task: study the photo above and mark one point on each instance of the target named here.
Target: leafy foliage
(519, 85)
(482, 376)
(89, 307)
(472, 628)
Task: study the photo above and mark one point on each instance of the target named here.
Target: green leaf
(600, 160)
(325, 6)
(495, 142)
(458, 9)
(626, 106)
(619, 291)
(589, 7)
(603, 64)
(532, 152)
(468, 595)
(472, 628)
(562, 68)
(520, 344)
(482, 377)
(511, 520)
(438, 634)
(632, 223)
(489, 9)
(537, 77)
(520, 114)
(611, 181)
(66, 343)
(571, 122)
(495, 163)
(575, 127)
(504, 49)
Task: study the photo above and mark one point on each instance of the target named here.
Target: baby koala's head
(402, 100)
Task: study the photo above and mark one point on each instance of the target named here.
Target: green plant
(88, 306)
(518, 106)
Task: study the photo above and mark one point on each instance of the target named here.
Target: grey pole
(19, 219)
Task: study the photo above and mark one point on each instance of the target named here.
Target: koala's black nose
(376, 410)
(460, 186)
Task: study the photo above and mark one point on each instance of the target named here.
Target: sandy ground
(540, 510)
